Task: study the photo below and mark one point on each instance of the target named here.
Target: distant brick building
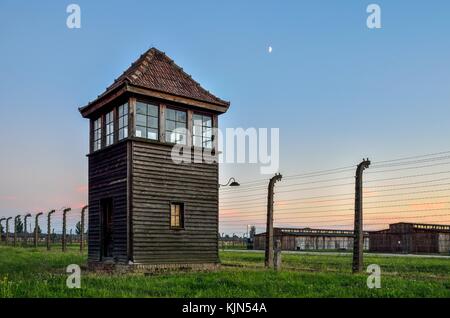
(301, 239)
(411, 238)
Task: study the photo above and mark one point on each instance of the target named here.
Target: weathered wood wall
(156, 181)
(410, 242)
(108, 179)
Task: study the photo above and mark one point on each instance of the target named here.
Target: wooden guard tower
(144, 208)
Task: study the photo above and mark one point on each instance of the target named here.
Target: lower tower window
(176, 215)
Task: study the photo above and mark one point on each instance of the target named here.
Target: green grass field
(28, 272)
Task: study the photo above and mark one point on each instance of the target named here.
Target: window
(109, 121)
(98, 134)
(202, 134)
(176, 126)
(147, 117)
(123, 121)
(176, 215)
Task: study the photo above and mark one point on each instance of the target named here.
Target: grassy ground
(28, 272)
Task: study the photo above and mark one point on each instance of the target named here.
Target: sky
(337, 90)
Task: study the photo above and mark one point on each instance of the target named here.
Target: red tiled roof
(155, 70)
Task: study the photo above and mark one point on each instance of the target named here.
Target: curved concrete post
(49, 229)
(269, 225)
(25, 226)
(7, 229)
(83, 211)
(1, 220)
(15, 228)
(358, 239)
(64, 243)
(36, 229)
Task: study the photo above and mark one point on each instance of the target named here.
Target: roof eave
(218, 107)
(125, 87)
(103, 99)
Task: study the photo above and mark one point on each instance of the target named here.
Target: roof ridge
(154, 69)
(172, 62)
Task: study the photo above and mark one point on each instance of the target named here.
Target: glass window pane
(207, 133)
(170, 137)
(98, 123)
(141, 108)
(197, 141)
(147, 120)
(109, 140)
(170, 114)
(207, 121)
(197, 119)
(141, 131)
(197, 130)
(181, 116)
(123, 110)
(153, 122)
(176, 215)
(123, 122)
(180, 138)
(123, 133)
(208, 144)
(152, 133)
(170, 125)
(153, 110)
(141, 120)
(180, 124)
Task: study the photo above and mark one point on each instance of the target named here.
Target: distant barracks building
(399, 238)
(411, 238)
(303, 239)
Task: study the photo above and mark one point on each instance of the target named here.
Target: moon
(270, 49)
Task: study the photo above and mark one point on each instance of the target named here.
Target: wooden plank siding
(108, 179)
(156, 182)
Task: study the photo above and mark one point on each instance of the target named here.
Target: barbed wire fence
(412, 189)
(46, 229)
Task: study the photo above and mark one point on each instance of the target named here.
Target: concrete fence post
(83, 211)
(36, 229)
(25, 227)
(7, 229)
(64, 243)
(49, 225)
(277, 256)
(16, 224)
(358, 239)
(268, 260)
(2, 228)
